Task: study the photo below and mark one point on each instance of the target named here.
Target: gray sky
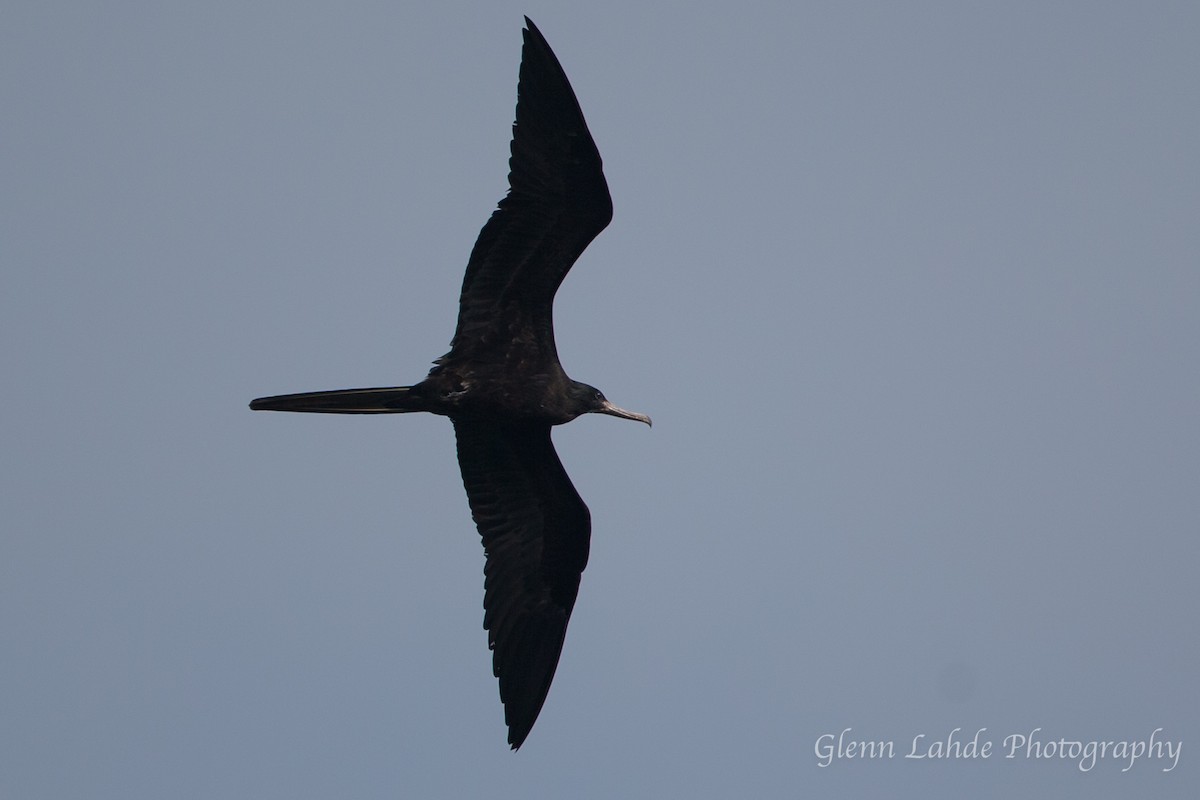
(910, 291)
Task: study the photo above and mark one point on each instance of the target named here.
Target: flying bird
(503, 387)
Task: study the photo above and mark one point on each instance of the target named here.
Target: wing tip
(516, 738)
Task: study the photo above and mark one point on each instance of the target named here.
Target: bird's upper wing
(536, 531)
(558, 201)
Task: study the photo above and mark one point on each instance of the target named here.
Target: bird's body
(503, 387)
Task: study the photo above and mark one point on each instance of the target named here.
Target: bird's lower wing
(536, 532)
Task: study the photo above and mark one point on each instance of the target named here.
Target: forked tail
(384, 400)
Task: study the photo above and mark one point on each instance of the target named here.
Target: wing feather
(536, 532)
(558, 201)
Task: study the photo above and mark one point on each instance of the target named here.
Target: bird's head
(590, 400)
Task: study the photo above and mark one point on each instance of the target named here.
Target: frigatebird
(503, 387)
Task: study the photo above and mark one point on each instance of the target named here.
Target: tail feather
(383, 400)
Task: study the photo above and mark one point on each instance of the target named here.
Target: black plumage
(502, 385)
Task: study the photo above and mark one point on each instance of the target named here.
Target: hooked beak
(609, 408)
